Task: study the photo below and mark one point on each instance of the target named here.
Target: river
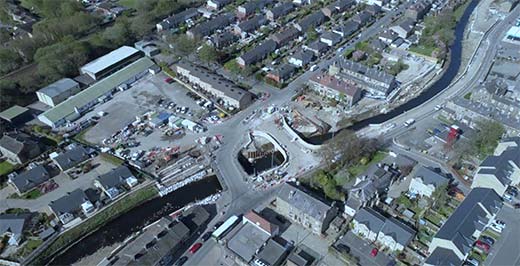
(134, 220)
(438, 86)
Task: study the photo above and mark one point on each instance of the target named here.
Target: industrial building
(111, 62)
(58, 91)
(75, 106)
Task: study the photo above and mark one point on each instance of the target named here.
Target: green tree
(184, 44)
(440, 197)
(312, 35)
(328, 184)
(9, 60)
(117, 35)
(208, 54)
(489, 133)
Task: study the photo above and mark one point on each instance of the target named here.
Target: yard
(31, 194)
(359, 168)
(27, 248)
(6, 168)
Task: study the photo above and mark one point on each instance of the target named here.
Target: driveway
(505, 251)
(361, 249)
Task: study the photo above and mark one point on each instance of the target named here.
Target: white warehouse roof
(109, 59)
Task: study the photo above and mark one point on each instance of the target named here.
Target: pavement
(505, 250)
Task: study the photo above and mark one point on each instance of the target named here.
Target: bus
(225, 227)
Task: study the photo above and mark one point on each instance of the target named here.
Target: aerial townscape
(260, 132)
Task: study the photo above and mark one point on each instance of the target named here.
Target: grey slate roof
(312, 20)
(373, 220)
(334, 37)
(303, 201)
(428, 176)
(259, 52)
(13, 223)
(318, 46)
(303, 55)
(30, 178)
(252, 24)
(282, 9)
(444, 257)
(177, 19)
(17, 143)
(72, 157)
(284, 71)
(115, 177)
(210, 26)
(69, 203)
(285, 36)
(59, 87)
(347, 29)
(272, 253)
(362, 18)
(400, 232)
(501, 166)
(371, 73)
(470, 216)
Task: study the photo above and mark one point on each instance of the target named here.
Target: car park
(488, 240)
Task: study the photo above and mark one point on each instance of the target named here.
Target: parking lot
(362, 249)
(505, 250)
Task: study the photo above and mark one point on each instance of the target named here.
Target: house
(345, 92)
(247, 241)
(388, 37)
(223, 40)
(18, 148)
(250, 25)
(285, 36)
(71, 157)
(502, 169)
(362, 18)
(304, 209)
(29, 179)
(373, 9)
(310, 21)
(378, 45)
(404, 29)
(458, 234)
(208, 27)
(172, 22)
(272, 254)
(279, 11)
(301, 58)
(387, 232)
(282, 73)
(418, 10)
(443, 256)
(374, 2)
(425, 181)
(330, 38)
(251, 7)
(216, 86)
(298, 257)
(370, 187)
(12, 227)
(70, 206)
(116, 181)
(257, 54)
(379, 83)
(337, 7)
(217, 4)
(303, 2)
(58, 91)
(317, 47)
(347, 29)
(261, 223)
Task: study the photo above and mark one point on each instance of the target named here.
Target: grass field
(357, 169)
(128, 3)
(6, 168)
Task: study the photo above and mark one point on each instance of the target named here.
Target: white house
(425, 181)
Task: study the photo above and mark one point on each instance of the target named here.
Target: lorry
(409, 122)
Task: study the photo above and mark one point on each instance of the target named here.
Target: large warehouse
(73, 107)
(58, 91)
(111, 62)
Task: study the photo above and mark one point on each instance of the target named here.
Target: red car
(195, 247)
(168, 80)
(483, 246)
(374, 252)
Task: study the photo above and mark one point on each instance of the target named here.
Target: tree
(117, 35)
(208, 54)
(9, 60)
(312, 35)
(489, 133)
(184, 44)
(440, 196)
(328, 184)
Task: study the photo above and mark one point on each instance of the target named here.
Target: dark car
(181, 261)
(217, 225)
(343, 248)
(517, 205)
(206, 236)
(488, 240)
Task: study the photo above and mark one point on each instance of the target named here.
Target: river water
(443, 82)
(134, 220)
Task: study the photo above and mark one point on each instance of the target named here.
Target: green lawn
(359, 168)
(6, 168)
(33, 194)
(111, 159)
(27, 248)
(421, 49)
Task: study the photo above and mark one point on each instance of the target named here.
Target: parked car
(168, 80)
(217, 225)
(374, 252)
(488, 240)
(343, 248)
(517, 205)
(195, 247)
(496, 228)
(472, 261)
(206, 236)
(181, 261)
(500, 223)
(483, 246)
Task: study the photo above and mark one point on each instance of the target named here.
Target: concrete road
(505, 250)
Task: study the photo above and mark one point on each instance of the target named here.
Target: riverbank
(77, 233)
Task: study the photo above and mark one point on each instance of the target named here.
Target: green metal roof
(13, 112)
(66, 108)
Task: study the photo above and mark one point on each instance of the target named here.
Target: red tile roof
(254, 218)
(349, 88)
